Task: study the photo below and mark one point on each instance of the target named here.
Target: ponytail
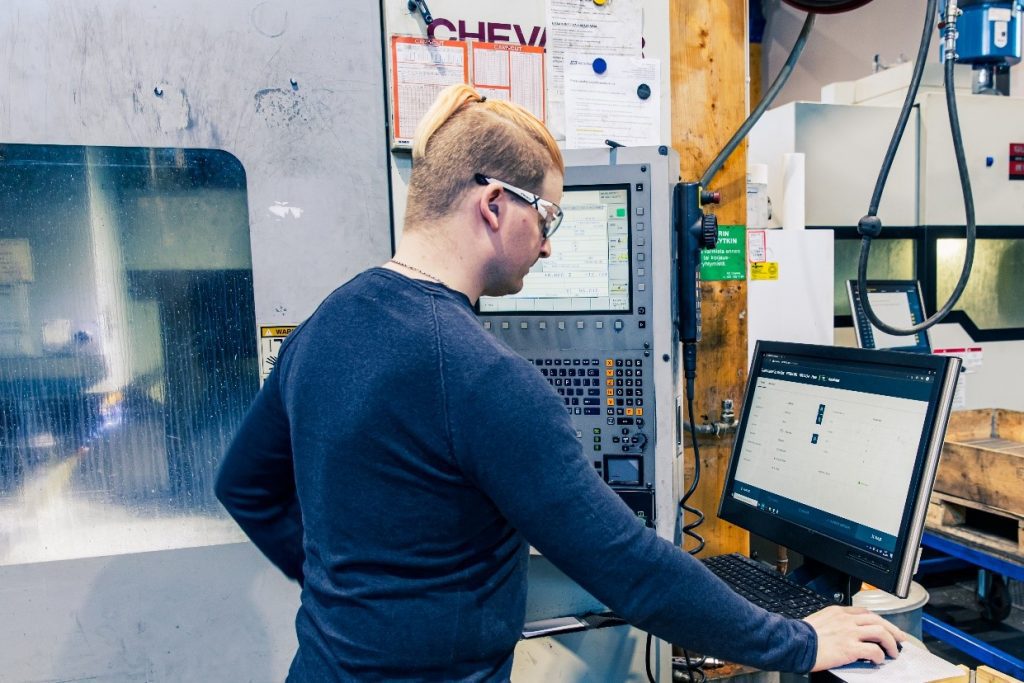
(449, 101)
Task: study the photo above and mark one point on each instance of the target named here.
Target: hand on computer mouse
(846, 634)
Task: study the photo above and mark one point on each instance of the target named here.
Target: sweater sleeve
(513, 439)
(256, 482)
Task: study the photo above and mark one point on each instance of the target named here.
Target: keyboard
(765, 587)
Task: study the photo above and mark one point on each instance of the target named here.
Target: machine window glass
(891, 259)
(992, 297)
(127, 347)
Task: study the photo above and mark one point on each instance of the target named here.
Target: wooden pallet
(981, 525)
(984, 674)
(983, 459)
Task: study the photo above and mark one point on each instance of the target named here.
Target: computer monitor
(836, 453)
(589, 271)
(896, 302)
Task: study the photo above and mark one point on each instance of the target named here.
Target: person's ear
(489, 206)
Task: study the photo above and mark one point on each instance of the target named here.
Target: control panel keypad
(612, 388)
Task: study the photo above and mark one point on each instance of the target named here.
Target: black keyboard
(765, 587)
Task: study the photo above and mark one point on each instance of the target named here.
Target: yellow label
(765, 270)
(276, 331)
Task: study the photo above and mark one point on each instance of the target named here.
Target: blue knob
(989, 161)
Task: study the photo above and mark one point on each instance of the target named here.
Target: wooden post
(709, 102)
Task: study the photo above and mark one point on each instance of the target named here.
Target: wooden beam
(709, 63)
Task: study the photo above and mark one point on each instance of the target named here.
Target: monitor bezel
(828, 550)
(630, 219)
(854, 303)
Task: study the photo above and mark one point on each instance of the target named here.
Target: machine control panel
(585, 319)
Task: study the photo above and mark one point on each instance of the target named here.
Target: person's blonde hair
(464, 133)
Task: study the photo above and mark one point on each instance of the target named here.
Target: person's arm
(515, 441)
(256, 482)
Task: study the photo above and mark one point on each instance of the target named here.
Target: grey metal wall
(295, 91)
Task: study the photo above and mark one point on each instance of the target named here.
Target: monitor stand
(826, 581)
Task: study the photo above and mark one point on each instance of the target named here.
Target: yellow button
(629, 411)
(600, 2)
(639, 412)
(609, 392)
(609, 363)
(609, 373)
(611, 401)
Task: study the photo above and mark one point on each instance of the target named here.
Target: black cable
(690, 374)
(647, 659)
(766, 101)
(689, 368)
(870, 226)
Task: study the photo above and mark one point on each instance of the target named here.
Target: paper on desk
(586, 29)
(607, 106)
(914, 665)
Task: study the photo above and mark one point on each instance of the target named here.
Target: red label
(1017, 149)
(1017, 169)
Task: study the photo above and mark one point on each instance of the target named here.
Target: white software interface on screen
(892, 308)
(588, 269)
(861, 449)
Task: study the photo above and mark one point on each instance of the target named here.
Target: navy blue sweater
(399, 460)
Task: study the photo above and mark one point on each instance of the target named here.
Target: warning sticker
(765, 270)
(271, 338)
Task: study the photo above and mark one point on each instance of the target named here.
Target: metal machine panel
(989, 126)
(843, 147)
(295, 92)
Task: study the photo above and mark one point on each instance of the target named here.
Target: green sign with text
(728, 260)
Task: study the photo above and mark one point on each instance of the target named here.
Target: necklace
(421, 272)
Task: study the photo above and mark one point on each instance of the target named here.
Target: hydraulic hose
(870, 226)
(766, 101)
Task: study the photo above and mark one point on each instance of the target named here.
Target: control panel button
(619, 325)
(599, 324)
(524, 325)
(640, 227)
(487, 324)
(639, 211)
(561, 324)
(579, 324)
(542, 325)
(504, 325)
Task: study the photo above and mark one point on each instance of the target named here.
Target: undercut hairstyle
(464, 133)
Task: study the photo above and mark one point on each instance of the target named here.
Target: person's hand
(846, 634)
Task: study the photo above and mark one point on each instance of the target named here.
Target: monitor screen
(589, 268)
(896, 302)
(836, 455)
